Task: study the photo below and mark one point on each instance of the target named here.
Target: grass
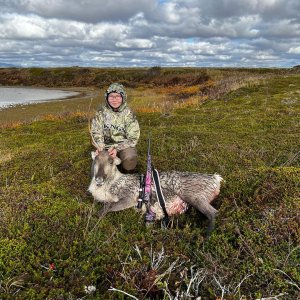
(53, 246)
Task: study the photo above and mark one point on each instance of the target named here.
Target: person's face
(114, 100)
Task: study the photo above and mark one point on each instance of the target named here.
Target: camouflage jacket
(115, 129)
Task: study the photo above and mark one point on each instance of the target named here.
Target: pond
(10, 96)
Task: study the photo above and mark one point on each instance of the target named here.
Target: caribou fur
(120, 191)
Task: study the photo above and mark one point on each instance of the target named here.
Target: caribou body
(120, 191)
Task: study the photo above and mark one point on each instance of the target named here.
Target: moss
(52, 243)
(37, 71)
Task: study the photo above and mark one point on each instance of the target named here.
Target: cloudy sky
(114, 33)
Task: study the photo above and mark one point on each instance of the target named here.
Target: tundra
(120, 191)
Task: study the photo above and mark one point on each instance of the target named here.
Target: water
(11, 95)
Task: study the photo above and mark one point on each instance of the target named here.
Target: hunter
(116, 129)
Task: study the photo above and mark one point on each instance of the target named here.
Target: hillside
(131, 77)
(100, 77)
(53, 245)
(153, 89)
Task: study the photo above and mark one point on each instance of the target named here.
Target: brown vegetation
(130, 77)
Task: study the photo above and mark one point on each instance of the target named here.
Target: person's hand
(112, 152)
(98, 150)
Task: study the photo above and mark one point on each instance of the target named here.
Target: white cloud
(283, 29)
(265, 55)
(135, 43)
(294, 50)
(225, 57)
(106, 31)
(17, 26)
(90, 11)
(199, 48)
(103, 59)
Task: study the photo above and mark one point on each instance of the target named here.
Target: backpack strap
(160, 196)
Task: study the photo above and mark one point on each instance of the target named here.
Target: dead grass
(5, 156)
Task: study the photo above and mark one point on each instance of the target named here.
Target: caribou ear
(117, 161)
(94, 154)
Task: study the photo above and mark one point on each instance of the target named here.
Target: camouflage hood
(116, 88)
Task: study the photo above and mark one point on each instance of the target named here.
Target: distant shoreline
(37, 96)
(27, 112)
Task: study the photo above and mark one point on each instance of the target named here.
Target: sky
(145, 33)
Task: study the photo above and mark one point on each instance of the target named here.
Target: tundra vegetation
(242, 124)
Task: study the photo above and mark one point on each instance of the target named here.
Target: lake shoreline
(27, 112)
(79, 93)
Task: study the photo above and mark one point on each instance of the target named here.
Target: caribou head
(104, 167)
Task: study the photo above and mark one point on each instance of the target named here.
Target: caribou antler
(90, 130)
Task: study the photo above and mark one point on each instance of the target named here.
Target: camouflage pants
(128, 157)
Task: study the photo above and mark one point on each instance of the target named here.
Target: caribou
(120, 191)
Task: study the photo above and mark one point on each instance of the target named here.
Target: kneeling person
(116, 129)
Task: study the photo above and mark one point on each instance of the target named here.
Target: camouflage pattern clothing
(115, 128)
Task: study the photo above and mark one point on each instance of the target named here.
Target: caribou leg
(211, 225)
(104, 210)
(209, 211)
(116, 206)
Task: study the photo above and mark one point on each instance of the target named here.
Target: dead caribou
(120, 191)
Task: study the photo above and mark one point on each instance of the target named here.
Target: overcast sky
(116, 33)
